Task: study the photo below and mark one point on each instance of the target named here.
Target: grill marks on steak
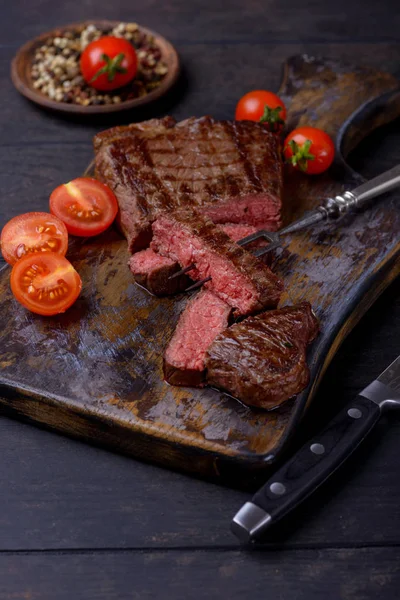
(203, 318)
(124, 164)
(237, 277)
(262, 360)
(230, 170)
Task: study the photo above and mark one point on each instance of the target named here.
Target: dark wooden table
(77, 522)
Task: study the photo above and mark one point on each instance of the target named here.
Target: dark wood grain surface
(96, 372)
(78, 522)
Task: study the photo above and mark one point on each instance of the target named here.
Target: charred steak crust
(122, 162)
(262, 360)
(231, 170)
(203, 318)
(239, 278)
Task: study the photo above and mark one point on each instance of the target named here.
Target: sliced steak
(230, 170)
(237, 232)
(237, 277)
(204, 317)
(152, 271)
(130, 175)
(262, 360)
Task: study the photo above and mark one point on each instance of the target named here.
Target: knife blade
(308, 468)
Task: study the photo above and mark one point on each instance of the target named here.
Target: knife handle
(340, 205)
(307, 469)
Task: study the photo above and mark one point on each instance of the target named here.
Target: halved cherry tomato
(85, 205)
(33, 232)
(46, 284)
(108, 63)
(309, 149)
(265, 107)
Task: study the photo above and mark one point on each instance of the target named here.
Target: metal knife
(319, 457)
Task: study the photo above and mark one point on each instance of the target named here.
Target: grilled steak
(152, 271)
(237, 277)
(204, 317)
(230, 170)
(262, 360)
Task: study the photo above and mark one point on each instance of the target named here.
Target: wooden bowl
(22, 79)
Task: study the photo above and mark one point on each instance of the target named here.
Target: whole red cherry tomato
(265, 107)
(309, 149)
(108, 63)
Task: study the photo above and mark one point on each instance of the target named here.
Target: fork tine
(182, 271)
(255, 236)
(274, 243)
(197, 284)
(265, 249)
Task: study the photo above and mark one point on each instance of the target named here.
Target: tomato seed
(21, 250)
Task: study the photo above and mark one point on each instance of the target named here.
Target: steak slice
(236, 231)
(262, 360)
(204, 317)
(237, 277)
(231, 170)
(152, 271)
(117, 168)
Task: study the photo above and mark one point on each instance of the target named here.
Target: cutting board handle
(346, 101)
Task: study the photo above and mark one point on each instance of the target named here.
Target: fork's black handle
(307, 469)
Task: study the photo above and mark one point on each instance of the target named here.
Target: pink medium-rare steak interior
(203, 318)
(260, 211)
(262, 360)
(147, 260)
(237, 231)
(237, 277)
(153, 271)
(230, 169)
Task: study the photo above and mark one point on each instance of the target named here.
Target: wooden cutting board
(96, 372)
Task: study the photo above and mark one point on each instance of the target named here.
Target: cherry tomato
(108, 63)
(46, 284)
(262, 106)
(309, 149)
(33, 232)
(85, 205)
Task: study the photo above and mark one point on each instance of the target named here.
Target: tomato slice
(46, 284)
(85, 205)
(33, 232)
